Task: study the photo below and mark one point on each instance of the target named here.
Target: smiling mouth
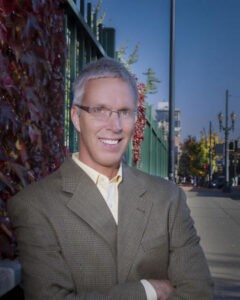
(110, 141)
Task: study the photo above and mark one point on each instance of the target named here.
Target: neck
(108, 171)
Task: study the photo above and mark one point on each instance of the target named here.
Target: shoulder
(165, 195)
(41, 191)
(152, 182)
(156, 189)
(40, 185)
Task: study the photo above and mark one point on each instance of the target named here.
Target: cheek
(88, 127)
(129, 129)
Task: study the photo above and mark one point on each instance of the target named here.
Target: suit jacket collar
(88, 203)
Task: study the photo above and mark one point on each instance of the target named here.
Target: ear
(75, 117)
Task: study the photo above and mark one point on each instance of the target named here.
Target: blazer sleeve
(188, 269)
(46, 274)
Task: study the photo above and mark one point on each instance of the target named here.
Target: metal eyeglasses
(104, 114)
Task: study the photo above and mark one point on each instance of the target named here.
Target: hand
(163, 288)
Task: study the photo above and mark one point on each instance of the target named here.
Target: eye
(125, 112)
(98, 110)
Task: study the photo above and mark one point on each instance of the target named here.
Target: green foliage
(193, 158)
(184, 165)
(98, 7)
(123, 56)
(128, 60)
(133, 58)
(151, 81)
(96, 12)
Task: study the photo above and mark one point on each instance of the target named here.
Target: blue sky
(207, 48)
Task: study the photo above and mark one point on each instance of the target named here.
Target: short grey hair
(104, 67)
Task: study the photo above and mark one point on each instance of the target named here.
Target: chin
(110, 162)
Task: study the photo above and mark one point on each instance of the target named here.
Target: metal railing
(154, 148)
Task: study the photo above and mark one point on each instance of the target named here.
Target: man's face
(102, 143)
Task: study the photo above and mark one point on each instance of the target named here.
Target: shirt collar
(93, 174)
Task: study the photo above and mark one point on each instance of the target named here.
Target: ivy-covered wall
(32, 59)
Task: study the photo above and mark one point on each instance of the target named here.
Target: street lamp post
(226, 129)
(210, 152)
(171, 147)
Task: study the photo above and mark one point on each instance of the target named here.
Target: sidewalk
(217, 220)
(234, 194)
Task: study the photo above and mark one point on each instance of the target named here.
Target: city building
(162, 117)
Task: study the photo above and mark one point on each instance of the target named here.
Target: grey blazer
(71, 248)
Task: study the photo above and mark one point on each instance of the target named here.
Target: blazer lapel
(134, 212)
(88, 203)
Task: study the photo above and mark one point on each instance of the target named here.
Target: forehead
(108, 89)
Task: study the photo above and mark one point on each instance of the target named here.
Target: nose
(115, 121)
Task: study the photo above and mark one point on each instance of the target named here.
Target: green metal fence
(154, 148)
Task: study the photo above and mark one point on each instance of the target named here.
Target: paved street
(217, 219)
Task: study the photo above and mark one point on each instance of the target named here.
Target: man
(97, 229)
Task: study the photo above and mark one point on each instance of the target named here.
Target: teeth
(110, 142)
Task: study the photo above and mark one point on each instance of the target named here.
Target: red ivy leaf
(29, 62)
(138, 135)
(8, 117)
(8, 6)
(6, 181)
(31, 28)
(19, 170)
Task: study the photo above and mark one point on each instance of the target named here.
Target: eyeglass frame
(90, 109)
